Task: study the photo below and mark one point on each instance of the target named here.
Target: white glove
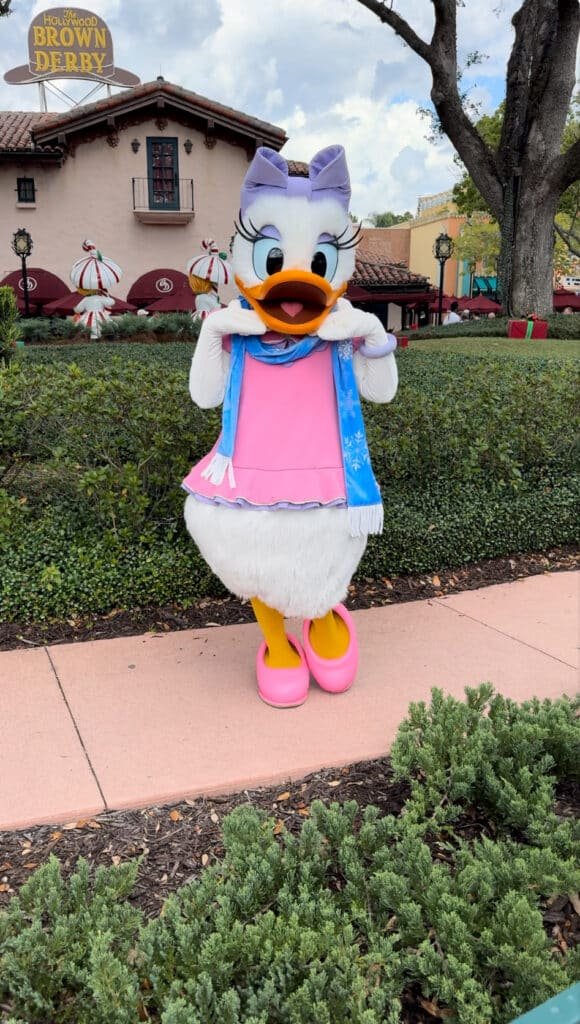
(350, 322)
(232, 319)
(210, 363)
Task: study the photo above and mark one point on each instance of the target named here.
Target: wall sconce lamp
(188, 146)
(135, 145)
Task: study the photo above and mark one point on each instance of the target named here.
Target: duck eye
(267, 257)
(274, 260)
(325, 260)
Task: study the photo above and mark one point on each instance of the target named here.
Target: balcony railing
(170, 201)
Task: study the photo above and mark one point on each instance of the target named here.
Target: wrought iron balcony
(163, 201)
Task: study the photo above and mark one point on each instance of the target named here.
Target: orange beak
(292, 301)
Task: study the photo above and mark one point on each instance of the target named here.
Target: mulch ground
(228, 611)
(175, 842)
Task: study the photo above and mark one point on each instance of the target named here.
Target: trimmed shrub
(41, 330)
(559, 326)
(174, 327)
(9, 328)
(49, 568)
(65, 948)
(475, 459)
(341, 922)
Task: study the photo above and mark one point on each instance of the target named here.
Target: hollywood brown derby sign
(69, 42)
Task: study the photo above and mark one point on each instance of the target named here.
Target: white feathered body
(299, 561)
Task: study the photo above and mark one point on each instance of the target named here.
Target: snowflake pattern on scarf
(356, 453)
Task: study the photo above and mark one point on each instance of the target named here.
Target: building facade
(146, 174)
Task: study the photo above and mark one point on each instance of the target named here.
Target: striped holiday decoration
(212, 266)
(95, 272)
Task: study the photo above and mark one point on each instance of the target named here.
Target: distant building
(413, 241)
(146, 173)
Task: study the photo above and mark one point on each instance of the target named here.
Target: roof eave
(259, 131)
(34, 155)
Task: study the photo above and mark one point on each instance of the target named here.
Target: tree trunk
(522, 181)
(527, 252)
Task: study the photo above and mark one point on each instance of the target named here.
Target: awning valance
(43, 286)
(358, 294)
(66, 304)
(182, 300)
(565, 300)
(155, 284)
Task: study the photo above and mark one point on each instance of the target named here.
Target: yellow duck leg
(280, 653)
(329, 636)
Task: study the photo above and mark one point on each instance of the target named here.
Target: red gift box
(402, 341)
(521, 329)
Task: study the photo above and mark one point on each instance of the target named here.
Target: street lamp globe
(443, 247)
(442, 250)
(22, 243)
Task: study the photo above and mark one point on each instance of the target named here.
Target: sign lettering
(70, 42)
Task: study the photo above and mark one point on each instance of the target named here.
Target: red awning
(155, 284)
(43, 286)
(480, 304)
(65, 306)
(182, 300)
(358, 294)
(564, 299)
(446, 304)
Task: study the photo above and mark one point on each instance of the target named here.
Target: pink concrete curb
(156, 718)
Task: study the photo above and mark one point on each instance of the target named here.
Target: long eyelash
(242, 229)
(351, 241)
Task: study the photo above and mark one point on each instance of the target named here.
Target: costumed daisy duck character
(282, 506)
(92, 276)
(205, 273)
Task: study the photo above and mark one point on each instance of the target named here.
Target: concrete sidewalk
(156, 718)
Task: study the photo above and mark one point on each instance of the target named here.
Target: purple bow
(268, 175)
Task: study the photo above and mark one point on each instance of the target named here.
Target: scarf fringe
(365, 519)
(216, 470)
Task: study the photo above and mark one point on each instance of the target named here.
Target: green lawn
(551, 347)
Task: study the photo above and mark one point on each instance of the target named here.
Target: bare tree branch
(566, 167)
(401, 27)
(441, 56)
(571, 239)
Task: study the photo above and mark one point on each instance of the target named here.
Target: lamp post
(442, 250)
(22, 246)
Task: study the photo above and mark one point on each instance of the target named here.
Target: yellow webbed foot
(280, 653)
(329, 636)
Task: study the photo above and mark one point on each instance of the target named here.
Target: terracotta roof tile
(16, 127)
(373, 269)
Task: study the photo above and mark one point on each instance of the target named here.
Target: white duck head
(293, 251)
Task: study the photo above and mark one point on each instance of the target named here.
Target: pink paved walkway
(156, 718)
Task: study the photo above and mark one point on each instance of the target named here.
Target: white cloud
(390, 161)
(326, 70)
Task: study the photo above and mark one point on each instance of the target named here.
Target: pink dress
(287, 451)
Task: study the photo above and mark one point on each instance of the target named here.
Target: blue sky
(325, 70)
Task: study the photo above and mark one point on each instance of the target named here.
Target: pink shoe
(282, 687)
(335, 675)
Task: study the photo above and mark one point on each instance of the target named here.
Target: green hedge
(475, 459)
(342, 922)
(44, 330)
(49, 568)
(559, 326)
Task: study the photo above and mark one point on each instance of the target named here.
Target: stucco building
(146, 174)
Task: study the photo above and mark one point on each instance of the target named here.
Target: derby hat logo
(69, 42)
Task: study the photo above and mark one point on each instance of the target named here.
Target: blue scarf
(363, 496)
